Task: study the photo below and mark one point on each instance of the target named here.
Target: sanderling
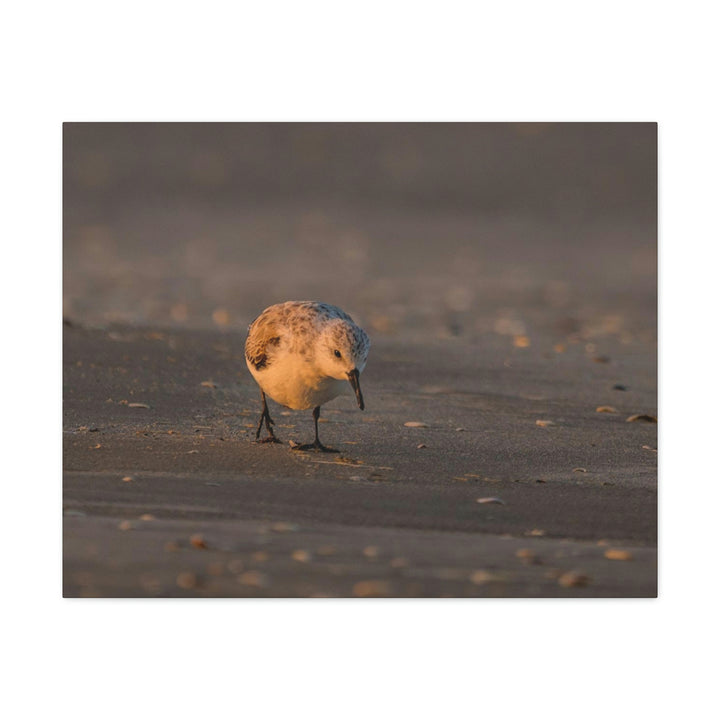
(301, 353)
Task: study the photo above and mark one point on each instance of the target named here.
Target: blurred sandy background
(448, 229)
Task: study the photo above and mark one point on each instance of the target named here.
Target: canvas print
(359, 360)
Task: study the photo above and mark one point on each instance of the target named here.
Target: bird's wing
(262, 341)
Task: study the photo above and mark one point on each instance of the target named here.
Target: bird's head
(343, 353)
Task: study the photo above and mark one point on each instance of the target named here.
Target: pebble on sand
(415, 424)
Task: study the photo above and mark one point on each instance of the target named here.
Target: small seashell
(605, 409)
(573, 579)
(221, 317)
(139, 405)
(644, 418)
(616, 554)
(371, 588)
(283, 527)
(215, 568)
(544, 423)
(488, 500)
(235, 566)
(186, 580)
(253, 578)
(480, 577)
(198, 541)
(415, 424)
(527, 556)
(301, 556)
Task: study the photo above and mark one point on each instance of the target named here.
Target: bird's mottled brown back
(283, 324)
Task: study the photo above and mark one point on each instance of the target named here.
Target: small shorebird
(301, 354)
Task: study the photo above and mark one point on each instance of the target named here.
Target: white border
(376, 61)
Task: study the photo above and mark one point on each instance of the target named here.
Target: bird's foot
(317, 446)
(268, 439)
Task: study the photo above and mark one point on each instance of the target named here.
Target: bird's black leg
(269, 422)
(317, 445)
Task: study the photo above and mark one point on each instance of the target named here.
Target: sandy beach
(509, 442)
(159, 430)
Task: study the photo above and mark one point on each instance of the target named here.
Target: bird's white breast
(294, 382)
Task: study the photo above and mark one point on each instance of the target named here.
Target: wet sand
(207, 512)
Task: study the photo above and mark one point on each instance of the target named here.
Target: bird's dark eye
(337, 353)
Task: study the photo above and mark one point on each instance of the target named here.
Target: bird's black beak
(354, 378)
